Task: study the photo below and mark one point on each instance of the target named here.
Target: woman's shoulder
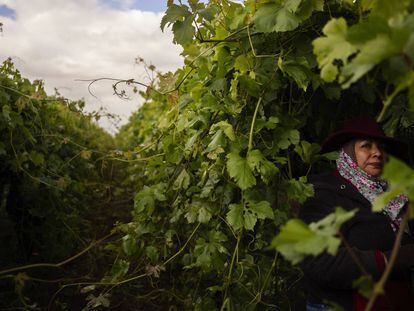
(332, 189)
(324, 199)
(328, 180)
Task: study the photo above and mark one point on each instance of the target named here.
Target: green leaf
(86, 154)
(239, 169)
(372, 53)
(365, 285)
(226, 127)
(382, 200)
(6, 112)
(158, 191)
(235, 216)
(182, 181)
(297, 240)
(204, 215)
(256, 210)
(217, 141)
(183, 31)
(272, 17)
(287, 138)
(208, 13)
(272, 122)
(254, 158)
(298, 190)
(242, 63)
(368, 29)
(249, 85)
(308, 6)
(292, 5)
(307, 151)
(401, 181)
(261, 209)
(208, 250)
(334, 46)
(250, 220)
(298, 69)
(152, 253)
(144, 200)
(387, 9)
(37, 158)
(240, 216)
(264, 167)
(198, 210)
(119, 269)
(286, 21)
(174, 13)
(293, 232)
(129, 245)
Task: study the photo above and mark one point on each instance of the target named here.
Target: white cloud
(60, 41)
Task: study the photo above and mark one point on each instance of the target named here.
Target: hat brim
(335, 141)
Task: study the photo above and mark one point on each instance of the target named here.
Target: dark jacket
(367, 234)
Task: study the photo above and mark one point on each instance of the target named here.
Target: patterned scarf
(370, 187)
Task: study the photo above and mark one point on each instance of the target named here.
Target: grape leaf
(372, 53)
(297, 240)
(183, 31)
(235, 216)
(225, 127)
(182, 181)
(298, 69)
(174, 13)
(272, 17)
(334, 46)
(401, 181)
(239, 169)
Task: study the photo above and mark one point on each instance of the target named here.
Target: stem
(266, 281)
(253, 122)
(379, 286)
(386, 104)
(94, 283)
(252, 47)
(233, 258)
(400, 87)
(55, 265)
(184, 246)
(289, 166)
(290, 100)
(126, 280)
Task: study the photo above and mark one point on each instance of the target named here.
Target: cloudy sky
(60, 41)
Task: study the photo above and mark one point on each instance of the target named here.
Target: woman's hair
(349, 148)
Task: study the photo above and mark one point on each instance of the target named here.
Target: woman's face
(370, 156)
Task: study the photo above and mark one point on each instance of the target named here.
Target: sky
(61, 41)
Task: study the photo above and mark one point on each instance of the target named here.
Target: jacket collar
(335, 182)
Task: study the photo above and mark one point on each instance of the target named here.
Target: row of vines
(57, 185)
(215, 161)
(231, 137)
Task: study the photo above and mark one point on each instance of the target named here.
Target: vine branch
(379, 286)
(56, 265)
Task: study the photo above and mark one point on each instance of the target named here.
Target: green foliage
(231, 137)
(218, 155)
(245, 216)
(297, 240)
(51, 178)
(401, 181)
(383, 38)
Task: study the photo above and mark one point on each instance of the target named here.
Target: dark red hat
(362, 127)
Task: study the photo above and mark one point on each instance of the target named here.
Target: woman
(367, 239)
